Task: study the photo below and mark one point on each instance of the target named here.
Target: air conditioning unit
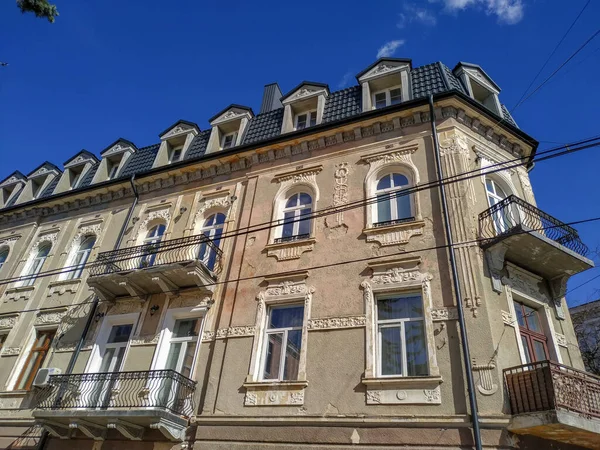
(43, 375)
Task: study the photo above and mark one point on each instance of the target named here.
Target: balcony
(556, 402)
(129, 402)
(165, 266)
(533, 239)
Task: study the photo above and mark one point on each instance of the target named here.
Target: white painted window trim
(162, 347)
(95, 359)
(172, 153)
(27, 268)
(233, 135)
(279, 207)
(308, 114)
(388, 95)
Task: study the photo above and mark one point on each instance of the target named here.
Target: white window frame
(388, 96)
(393, 204)
(28, 269)
(95, 360)
(295, 209)
(395, 323)
(265, 345)
(77, 255)
(178, 148)
(308, 115)
(233, 140)
(110, 166)
(166, 334)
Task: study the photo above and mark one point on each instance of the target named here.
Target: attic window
(387, 97)
(36, 187)
(7, 193)
(483, 95)
(113, 167)
(228, 140)
(75, 176)
(305, 120)
(176, 154)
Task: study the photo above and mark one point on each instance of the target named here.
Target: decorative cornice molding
(10, 351)
(285, 251)
(61, 287)
(398, 234)
(8, 321)
(50, 317)
(332, 323)
(439, 314)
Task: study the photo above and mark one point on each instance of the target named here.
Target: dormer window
(10, 188)
(113, 167)
(36, 188)
(304, 106)
(385, 83)
(387, 97)
(176, 154)
(75, 175)
(479, 86)
(308, 119)
(228, 140)
(228, 128)
(175, 142)
(76, 169)
(42, 179)
(114, 159)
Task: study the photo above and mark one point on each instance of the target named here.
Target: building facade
(586, 322)
(282, 280)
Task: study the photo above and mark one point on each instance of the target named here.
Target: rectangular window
(395, 96)
(401, 330)
(387, 97)
(380, 100)
(228, 141)
(35, 188)
(283, 342)
(535, 343)
(306, 120)
(182, 347)
(176, 154)
(35, 359)
(113, 168)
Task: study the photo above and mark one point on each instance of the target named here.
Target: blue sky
(129, 69)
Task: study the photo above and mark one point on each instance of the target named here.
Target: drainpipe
(461, 316)
(88, 324)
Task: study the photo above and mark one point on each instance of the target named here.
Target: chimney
(271, 97)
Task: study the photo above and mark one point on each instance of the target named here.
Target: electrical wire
(592, 142)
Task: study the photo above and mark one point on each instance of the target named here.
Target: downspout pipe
(92, 314)
(455, 281)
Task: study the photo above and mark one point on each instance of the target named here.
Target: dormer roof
(45, 168)
(306, 89)
(383, 66)
(119, 146)
(232, 112)
(179, 127)
(475, 70)
(13, 178)
(82, 157)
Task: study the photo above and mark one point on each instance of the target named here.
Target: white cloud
(389, 48)
(413, 13)
(507, 11)
(345, 81)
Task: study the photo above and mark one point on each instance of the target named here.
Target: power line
(340, 263)
(555, 49)
(353, 205)
(582, 284)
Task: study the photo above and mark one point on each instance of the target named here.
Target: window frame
(172, 151)
(308, 123)
(76, 273)
(297, 211)
(398, 323)
(4, 250)
(530, 335)
(212, 232)
(393, 203)
(30, 271)
(233, 136)
(388, 96)
(40, 353)
(95, 360)
(283, 351)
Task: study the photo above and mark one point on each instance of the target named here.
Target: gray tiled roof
(507, 116)
(342, 104)
(50, 188)
(264, 126)
(453, 81)
(198, 145)
(87, 179)
(427, 80)
(140, 161)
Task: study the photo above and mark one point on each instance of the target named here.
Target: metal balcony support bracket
(170, 430)
(91, 430)
(56, 429)
(167, 286)
(129, 430)
(133, 289)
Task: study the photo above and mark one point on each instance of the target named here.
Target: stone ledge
(290, 250)
(268, 393)
(397, 234)
(403, 390)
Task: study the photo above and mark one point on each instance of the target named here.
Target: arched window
(3, 255)
(392, 208)
(503, 216)
(494, 192)
(36, 264)
(81, 256)
(296, 220)
(151, 246)
(212, 229)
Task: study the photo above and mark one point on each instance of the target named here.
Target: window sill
(403, 390)
(62, 286)
(284, 251)
(19, 292)
(274, 393)
(395, 234)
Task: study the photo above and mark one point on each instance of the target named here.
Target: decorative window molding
(384, 75)
(208, 206)
(340, 190)
(8, 322)
(334, 323)
(233, 119)
(291, 289)
(61, 287)
(153, 216)
(398, 276)
(52, 317)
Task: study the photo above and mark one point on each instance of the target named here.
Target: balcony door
(212, 229)
(151, 245)
(533, 339)
(495, 195)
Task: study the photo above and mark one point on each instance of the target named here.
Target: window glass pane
(527, 349)
(188, 359)
(519, 313)
(301, 123)
(533, 320)
(109, 353)
(305, 199)
(173, 355)
(409, 307)
(286, 317)
(288, 227)
(186, 327)
(539, 351)
(416, 353)
(403, 206)
(43, 250)
(272, 359)
(384, 208)
(384, 183)
(292, 201)
(400, 180)
(88, 243)
(119, 333)
(292, 355)
(391, 351)
(380, 101)
(313, 118)
(304, 224)
(395, 96)
(220, 219)
(489, 185)
(3, 256)
(26, 372)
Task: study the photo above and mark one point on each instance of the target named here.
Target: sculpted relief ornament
(340, 190)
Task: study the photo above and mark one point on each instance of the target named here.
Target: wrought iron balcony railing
(298, 237)
(198, 247)
(514, 214)
(545, 385)
(155, 389)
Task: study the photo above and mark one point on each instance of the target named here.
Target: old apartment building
(282, 280)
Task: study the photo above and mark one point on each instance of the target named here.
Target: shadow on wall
(28, 440)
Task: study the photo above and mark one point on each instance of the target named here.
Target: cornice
(218, 166)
